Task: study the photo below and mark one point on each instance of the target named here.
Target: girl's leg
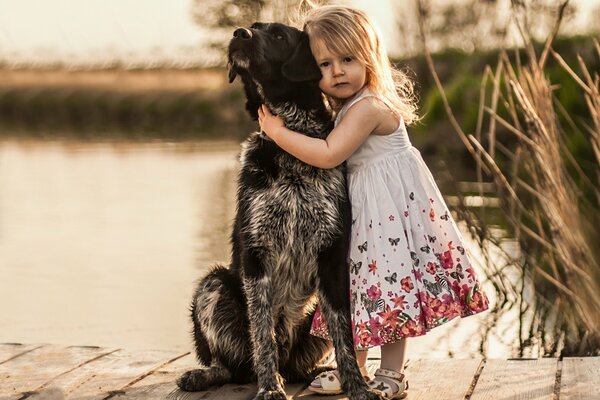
(389, 378)
(361, 358)
(393, 355)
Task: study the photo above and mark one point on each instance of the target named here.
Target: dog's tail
(202, 348)
(203, 308)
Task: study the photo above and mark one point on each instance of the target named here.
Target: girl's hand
(270, 124)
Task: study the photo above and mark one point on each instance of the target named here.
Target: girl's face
(343, 75)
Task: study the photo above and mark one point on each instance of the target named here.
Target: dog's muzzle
(242, 33)
(235, 61)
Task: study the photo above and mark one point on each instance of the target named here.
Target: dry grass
(122, 80)
(543, 191)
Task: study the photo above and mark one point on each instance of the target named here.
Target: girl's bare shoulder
(385, 119)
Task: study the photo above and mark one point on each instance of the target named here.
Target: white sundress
(408, 268)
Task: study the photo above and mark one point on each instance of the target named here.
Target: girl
(408, 269)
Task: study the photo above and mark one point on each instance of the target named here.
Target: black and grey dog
(290, 238)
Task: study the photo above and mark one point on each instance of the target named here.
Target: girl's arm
(358, 123)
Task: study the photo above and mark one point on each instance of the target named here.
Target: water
(101, 243)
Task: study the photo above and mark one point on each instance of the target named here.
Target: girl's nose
(337, 70)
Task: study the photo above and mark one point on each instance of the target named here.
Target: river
(101, 243)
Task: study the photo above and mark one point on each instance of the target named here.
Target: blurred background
(119, 137)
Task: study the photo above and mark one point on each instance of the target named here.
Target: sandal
(328, 382)
(389, 384)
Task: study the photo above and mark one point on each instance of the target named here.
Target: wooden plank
(8, 351)
(33, 369)
(448, 378)
(111, 374)
(160, 384)
(580, 378)
(305, 394)
(516, 379)
(57, 372)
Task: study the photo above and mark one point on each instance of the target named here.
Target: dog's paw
(192, 381)
(270, 395)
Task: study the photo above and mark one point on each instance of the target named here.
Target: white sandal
(383, 383)
(328, 382)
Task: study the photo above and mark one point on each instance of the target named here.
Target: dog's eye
(279, 37)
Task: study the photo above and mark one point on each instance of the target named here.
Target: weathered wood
(36, 372)
(160, 384)
(448, 379)
(36, 368)
(111, 374)
(8, 351)
(580, 378)
(306, 394)
(516, 379)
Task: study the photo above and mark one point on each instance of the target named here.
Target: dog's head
(277, 57)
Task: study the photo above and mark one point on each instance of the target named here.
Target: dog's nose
(242, 33)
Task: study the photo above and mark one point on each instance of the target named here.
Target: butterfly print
(355, 267)
(414, 257)
(394, 241)
(426, 249)
(458, 274)
(372, 305)
(445, 216)
(431, 239)
(411, 196)
(461, 250)
(435, 288)
(362, 247)
(392, 278)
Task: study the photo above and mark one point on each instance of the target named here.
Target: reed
(550, 201)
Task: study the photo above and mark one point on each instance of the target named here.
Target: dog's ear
(232, 72)
(253, 98)
(302, 65)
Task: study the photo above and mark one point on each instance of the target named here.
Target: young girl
(408, 269)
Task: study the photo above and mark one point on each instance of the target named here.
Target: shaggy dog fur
(290, 238)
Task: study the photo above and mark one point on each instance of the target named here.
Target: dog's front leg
(334, 299)
(259, 294)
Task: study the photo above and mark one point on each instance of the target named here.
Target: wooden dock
(51, 372)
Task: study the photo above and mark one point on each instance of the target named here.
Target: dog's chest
(296, 210)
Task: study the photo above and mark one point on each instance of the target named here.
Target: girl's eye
(348, 59)
(324, 64)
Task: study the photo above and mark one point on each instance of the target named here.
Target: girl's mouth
(340, 84)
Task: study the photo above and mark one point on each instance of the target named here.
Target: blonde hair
(346, 30)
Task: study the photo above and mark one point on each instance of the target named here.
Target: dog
(289, 242)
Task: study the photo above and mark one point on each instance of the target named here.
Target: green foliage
(152, 115)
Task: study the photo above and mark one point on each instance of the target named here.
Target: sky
(92, 29)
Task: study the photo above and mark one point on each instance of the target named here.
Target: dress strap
(366, 92)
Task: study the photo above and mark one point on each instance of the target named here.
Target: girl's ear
(302, 65)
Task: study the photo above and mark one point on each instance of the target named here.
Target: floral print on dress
(409, 271)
